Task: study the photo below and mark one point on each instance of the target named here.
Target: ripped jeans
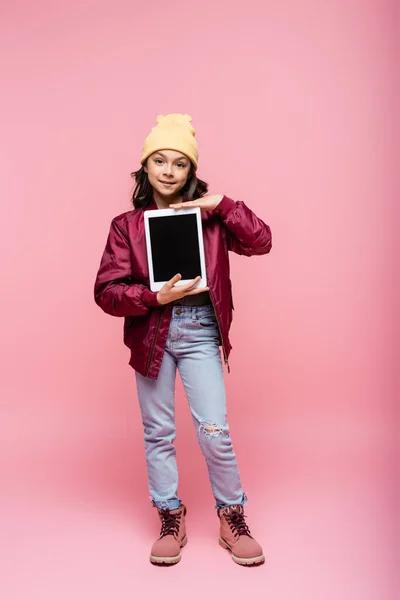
(192, 347)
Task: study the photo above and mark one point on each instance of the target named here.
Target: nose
(168, 170)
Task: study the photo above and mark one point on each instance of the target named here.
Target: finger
(197, 291)
(183, 289)
(188, 286)
(174, 280)
(184, 205)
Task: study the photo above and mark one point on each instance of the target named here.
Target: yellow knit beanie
(172, 132)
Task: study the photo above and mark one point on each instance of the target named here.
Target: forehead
(170, 154)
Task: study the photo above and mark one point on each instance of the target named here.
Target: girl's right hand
(170, 293)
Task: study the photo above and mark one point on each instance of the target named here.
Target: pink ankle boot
(235, 536)
(167, 549)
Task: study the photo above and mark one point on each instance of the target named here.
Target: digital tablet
(174, 241)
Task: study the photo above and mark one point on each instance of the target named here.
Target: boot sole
(168, 560)
(244, 562)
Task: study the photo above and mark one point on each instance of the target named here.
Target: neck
(163, 202)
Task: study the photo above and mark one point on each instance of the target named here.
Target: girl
(181, 327)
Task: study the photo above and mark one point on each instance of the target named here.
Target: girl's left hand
(205, 203)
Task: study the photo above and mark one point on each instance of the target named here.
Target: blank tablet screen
(175, 247)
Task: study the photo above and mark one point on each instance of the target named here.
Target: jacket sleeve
(246, 233)
(114, 290)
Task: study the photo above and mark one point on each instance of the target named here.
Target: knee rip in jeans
(210, 429)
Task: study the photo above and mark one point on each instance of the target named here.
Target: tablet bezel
(155, 286)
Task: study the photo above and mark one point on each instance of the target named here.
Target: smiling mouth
(169, 183)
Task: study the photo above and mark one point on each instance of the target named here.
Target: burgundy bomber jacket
(122, 284)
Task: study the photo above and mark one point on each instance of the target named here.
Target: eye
(158, 161)
(181, 165)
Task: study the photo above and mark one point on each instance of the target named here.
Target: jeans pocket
(208, 321)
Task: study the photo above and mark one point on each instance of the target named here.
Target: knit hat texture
(172, 132)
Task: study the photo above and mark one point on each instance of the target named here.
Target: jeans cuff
(222, 505)
(164, 504)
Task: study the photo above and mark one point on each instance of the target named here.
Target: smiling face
(168, 172)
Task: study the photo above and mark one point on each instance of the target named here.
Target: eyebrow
(180, 158)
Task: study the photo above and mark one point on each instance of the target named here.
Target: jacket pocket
(128, 322)
(136, 330)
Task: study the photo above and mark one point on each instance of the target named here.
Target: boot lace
(170, 523)
(237, 523)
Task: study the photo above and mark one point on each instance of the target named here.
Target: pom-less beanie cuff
(172, 132)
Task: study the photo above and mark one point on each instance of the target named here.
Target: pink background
(294, 104)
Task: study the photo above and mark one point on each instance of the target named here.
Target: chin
(169, 193)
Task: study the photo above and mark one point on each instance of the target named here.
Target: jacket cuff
(149, 298)
(226, 206)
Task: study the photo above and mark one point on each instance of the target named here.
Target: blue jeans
(192, 347)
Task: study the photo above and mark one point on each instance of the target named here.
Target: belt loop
(194, 317)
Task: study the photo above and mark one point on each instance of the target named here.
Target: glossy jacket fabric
(122, 283)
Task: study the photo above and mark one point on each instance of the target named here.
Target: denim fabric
(192, 347)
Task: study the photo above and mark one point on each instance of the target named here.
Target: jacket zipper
(220, 334)
(154, 343)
